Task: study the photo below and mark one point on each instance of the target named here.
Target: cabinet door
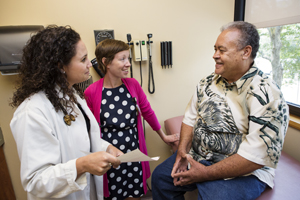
(6, 191)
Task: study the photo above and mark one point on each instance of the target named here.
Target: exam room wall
(192, 26)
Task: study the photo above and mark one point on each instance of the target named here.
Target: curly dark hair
(108, 48)
(44, 56)
(249, 35)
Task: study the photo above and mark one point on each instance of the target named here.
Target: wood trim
(294, 122)
(6, 191)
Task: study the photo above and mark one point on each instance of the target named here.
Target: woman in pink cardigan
(117, 103)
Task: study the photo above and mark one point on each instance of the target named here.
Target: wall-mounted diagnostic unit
(140, 50)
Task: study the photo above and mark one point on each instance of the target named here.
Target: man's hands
(182, 176)
(180, 165)
(232, 166)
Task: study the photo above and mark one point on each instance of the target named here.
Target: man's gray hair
(249, 35)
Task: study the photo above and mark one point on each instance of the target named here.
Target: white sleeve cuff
(190, 114)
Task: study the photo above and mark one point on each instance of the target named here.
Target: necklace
(68, 118)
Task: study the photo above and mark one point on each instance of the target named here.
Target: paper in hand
(136, 156)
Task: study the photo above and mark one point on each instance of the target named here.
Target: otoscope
(130, 56)
(150, 66)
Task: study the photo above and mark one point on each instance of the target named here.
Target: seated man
(233, 128)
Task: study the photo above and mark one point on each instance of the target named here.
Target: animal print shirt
(249, 117)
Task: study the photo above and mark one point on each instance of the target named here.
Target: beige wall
(291, 143)
(192, 26)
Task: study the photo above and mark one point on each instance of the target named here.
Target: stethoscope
(151, 78)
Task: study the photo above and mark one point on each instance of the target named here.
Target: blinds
(268, 13)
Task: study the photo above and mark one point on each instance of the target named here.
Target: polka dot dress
(118, 117)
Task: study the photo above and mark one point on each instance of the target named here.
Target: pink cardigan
(94, 97)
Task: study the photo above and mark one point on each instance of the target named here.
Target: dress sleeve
(42, 172)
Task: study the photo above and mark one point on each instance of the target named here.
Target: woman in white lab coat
(54, 130)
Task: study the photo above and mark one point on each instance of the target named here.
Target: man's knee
(156, 174)
(161, 175)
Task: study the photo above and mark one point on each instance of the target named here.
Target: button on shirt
(249, 117)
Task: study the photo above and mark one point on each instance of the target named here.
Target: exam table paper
(136, 156)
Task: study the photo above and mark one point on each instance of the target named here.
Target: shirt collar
(244, 81)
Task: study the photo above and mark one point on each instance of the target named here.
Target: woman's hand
(97, 163)
(168, 139)
(171, 139)
(115, 152)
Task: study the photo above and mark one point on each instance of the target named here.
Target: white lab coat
(48, 150)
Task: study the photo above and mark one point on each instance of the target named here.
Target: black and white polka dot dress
(118, 117)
